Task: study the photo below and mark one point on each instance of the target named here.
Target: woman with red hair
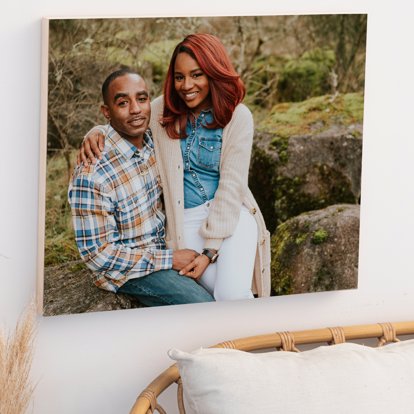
(203, 138)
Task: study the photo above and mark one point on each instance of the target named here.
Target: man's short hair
(112, 77)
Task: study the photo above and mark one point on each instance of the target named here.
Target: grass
(60, 246)
(314, 115)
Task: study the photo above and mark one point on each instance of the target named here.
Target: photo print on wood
(232, 136)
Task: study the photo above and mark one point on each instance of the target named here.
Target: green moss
(354, 106)
(284, 249)
(283, 245)
(314, 115)
(281, 145)
(301, 238)
(306, 76)
(284, 285)
(319, 236)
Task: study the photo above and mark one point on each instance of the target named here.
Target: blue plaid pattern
(117, 213)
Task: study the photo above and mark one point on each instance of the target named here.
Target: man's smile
(137, 121)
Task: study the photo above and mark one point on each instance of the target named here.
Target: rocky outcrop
(69, 289)
(316, 251)
(293, 175)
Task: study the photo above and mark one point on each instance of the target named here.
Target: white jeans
(230, 278)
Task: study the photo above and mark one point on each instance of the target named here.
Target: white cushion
(346, 378)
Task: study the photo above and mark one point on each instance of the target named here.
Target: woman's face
(191, 83)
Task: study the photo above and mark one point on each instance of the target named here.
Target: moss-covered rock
(320, 171)
(316, 251)
(316, 115)
(308, 157)
(263, 175)
(319, 236)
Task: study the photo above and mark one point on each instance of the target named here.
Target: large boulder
(69, 289)
(307, 155)
(289, 176)
(316, 251)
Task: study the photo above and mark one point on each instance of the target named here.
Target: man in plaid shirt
(116, 206)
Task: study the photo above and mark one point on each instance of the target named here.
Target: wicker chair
(146, 403)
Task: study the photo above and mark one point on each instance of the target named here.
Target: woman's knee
(231, 294)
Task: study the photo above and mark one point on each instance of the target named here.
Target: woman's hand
(91, 148)
(196, 268)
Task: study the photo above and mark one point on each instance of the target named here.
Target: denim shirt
(201, 152)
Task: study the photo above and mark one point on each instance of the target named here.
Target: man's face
(128, 106)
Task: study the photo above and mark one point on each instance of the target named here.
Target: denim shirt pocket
(209, 151)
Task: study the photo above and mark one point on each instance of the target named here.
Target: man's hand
(181, 258)
(92, 146)
(196, 268)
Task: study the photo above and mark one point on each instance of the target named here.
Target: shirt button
(179, 202)
(179, 167)
(211, 147)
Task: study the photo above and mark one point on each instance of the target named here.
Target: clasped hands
(190, 263)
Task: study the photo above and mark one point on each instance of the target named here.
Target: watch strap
(211, 254)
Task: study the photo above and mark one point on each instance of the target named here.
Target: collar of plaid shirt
(127, 149)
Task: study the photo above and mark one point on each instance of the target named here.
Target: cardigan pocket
(209, 151)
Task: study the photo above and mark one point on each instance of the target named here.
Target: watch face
(212, 256)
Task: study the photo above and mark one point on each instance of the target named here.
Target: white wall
(97, 363)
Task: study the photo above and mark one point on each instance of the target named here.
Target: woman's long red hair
(226, 88)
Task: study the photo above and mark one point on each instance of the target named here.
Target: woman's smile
(190, 95)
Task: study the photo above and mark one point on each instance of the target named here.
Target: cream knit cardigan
(231, 193)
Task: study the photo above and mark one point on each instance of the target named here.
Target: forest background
(305, 79)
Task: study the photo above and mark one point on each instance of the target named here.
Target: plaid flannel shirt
(116, 212)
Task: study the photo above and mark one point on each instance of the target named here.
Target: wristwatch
(211, 254)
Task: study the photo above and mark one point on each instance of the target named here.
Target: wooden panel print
(273, 104)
